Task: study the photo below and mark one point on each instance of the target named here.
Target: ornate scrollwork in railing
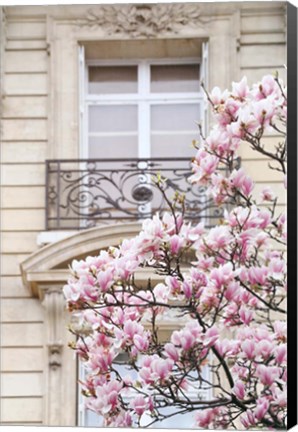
(83, 193)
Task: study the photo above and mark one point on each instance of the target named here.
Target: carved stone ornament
(55, 352)
(147, 20)
(54, 305)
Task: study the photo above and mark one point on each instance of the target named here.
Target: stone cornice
(68, 12)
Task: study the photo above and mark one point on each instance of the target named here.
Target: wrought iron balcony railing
(84, 193)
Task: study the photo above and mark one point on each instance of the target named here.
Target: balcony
(84, 193)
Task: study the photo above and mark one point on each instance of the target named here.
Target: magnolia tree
(227, 306)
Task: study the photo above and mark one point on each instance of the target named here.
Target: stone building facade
(42, 119)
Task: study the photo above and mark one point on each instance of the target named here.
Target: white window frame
(143, 98)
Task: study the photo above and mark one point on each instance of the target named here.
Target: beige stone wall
(23, 151)
(262, 47)
(40, 120)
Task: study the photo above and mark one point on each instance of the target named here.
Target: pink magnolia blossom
(211, 336)
(248, 419)
(71, 291)
(100, 360)
(231, 107)
(232, 290)
(107, 397)
(219, 237)
(266, 87)
(174, 285)
(155, 369)
(248, 348)
(217, 96)
(280, 353)
(122, 419)
(264, 348)
(220, 142)
(241, 88)
(277, 268)
(239, 390)
(132, 328)
(141, 342)
(222, 275)
(187, 340)
(171, 225)
(267, 194)
(264, 111)
(176, 244)
(280, 330)
(245, 315)
(227, 347)
(139, 405)
(172, 352)
(105, 279)
(258, 275)
(241, 181)
(192, 233)
(125, 267)
(261, 409)
(268, 374)
(161, 293)
(205, 417)
(280, 398)
(246, 122)
(187, 289)
(204, 165)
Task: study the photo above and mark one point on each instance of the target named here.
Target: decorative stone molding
(46, 283)
(143, 20)
(3, 30)
(65, 250)
(54, 305)
(3, 20)
(55, 352)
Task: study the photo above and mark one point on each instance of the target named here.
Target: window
(90, 418)
(141, 108)
(137, 107)
(146, 108)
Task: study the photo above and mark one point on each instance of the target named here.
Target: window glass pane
(173, 146)
(175, 78)
(106, 147)
(185, 420)
(113, 118)
(174, 117)
(113, 79)
(92, 419)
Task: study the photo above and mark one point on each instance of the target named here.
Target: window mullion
(204, 79)
(82, 409)
(144, 150)
(83, 85)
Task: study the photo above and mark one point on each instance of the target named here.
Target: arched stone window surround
(44, 273)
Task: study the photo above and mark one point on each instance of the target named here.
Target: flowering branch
(224, 357)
